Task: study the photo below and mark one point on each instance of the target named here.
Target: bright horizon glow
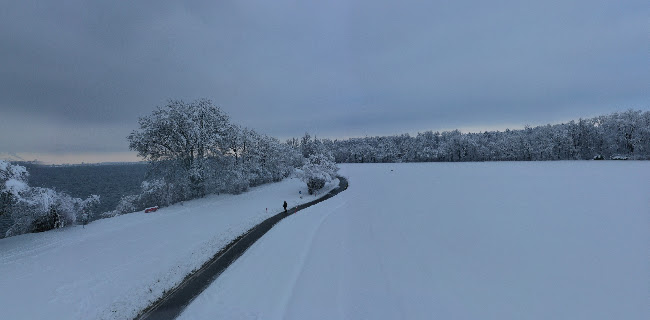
(72, 157)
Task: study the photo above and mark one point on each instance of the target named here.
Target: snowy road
(174, 301)
(114, 268)
(545, 240)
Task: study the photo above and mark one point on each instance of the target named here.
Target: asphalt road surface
(176, 299)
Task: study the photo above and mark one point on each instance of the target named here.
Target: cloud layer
(76, 75)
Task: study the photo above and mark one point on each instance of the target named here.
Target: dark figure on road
(285, 206)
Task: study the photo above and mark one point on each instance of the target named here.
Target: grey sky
(75, 75)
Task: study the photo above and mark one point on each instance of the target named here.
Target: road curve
(172, 303)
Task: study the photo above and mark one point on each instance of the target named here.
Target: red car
(152, 209)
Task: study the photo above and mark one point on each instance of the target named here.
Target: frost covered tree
(35, 209)
(13, 181)
(194, 150)
(183, 135)
(318, 169)
(626, 134)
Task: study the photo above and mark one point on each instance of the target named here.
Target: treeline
(619, 134)
(193, 150)
(37, 209)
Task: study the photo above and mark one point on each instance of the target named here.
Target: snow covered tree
(626, 134)
(306, 145)
(35, 209)
(318, 170)
(194, 150)
(183, 133)
(13, 181)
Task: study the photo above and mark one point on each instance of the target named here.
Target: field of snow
(539, 240)
(113, 268)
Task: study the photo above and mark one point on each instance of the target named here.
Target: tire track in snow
(306, 252)
(385, 276)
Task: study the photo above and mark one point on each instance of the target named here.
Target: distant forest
(625, 134)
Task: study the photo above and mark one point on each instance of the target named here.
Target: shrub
(35, 209)
(315, 184)
(318, 170)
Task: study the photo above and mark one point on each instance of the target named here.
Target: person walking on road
(285, 206)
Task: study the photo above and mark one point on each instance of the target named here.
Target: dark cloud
(76, 74)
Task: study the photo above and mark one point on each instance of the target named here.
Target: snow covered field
(113, 268)
(538, 240)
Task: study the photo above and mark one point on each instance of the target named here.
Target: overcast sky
(76, 75)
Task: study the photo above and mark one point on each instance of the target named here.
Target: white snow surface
(537, 240)
(113, 268)
(15, 187)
